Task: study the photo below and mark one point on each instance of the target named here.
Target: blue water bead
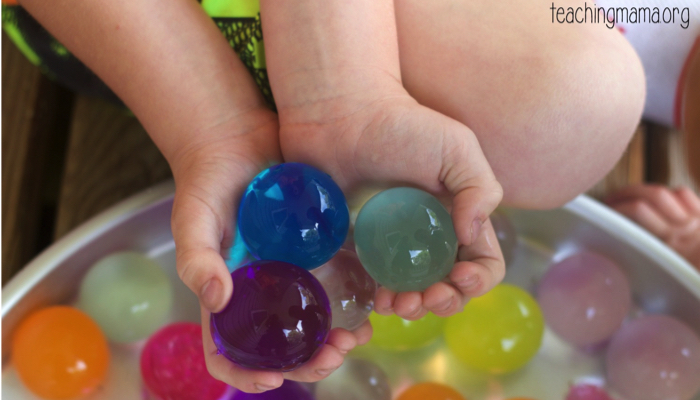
(294, 213)
(238, 254)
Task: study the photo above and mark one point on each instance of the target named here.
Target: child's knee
(592, 100)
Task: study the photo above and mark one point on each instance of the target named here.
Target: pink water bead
(173, 367)
(654, 357)
(587, 392)
(584, 298)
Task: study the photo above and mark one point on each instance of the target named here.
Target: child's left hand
(380, 135)
(671, 215)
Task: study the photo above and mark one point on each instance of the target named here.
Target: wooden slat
(668, 158)
(35, 114)
(628, 170)
(109, 158)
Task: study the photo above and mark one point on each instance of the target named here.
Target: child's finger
(363, 334)
(342, 339)
(327, 360)
(645, 215)
(480, 266)
(658, 197)
(384, 301)
(409, 306)
(442, 299)
(468, 176)
(250, 381)
(689, 199)
(198, 234)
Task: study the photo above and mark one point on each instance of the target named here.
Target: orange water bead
(60, 353)
(430, 391)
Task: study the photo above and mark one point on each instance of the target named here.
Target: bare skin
(673, 215)
(553, 106)
(374, 93)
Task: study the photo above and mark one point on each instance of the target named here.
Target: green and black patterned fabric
(238, 21)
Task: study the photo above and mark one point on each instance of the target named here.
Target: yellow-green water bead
(405, 239)
(128, 295)
(497, 332)
(396, 333)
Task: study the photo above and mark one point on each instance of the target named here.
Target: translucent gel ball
(587, 392)
(349, 288)
(293, 213)
(497, 332)
(584, 298)
(355, 380)
(238, 254)
(654, 357)
(405, 239)
(60, 353)
(173, 366)
(431, 391)
(128, 295)
(289, 390)
(505, 232)
(277, 319)
(396, 333)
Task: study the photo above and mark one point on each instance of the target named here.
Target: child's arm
(164, 59)
(672, 215)
(334, 70)
(172, 67)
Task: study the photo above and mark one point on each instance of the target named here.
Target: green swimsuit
(238, 21)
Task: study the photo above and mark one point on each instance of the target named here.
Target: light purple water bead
(654, 357)
(584, 298)
(350, 290)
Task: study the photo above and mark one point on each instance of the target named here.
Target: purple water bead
(654, 357)
(584, 298)
(277, 319)
(289, 390)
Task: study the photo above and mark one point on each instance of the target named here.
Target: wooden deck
(66, 157)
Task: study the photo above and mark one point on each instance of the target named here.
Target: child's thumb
(200, 265)
(477, 193)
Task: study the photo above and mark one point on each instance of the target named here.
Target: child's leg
(553, 106)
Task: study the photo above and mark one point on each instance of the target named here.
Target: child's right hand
(210, 177)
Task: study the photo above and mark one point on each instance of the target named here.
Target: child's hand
(372, 137)
(210, 177)
(672, 215)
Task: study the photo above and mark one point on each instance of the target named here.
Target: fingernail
(263, 388)
(444, 305)
(324, 372)
(469, 283)
(210, 294)
(344, 351)
(476, 229)
(415, 312)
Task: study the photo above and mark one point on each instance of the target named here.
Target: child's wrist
(235, 134)
(317, 95)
